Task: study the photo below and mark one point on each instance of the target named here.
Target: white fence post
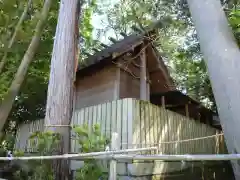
(113, 163)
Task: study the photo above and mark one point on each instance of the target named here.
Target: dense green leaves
(90, 140)
(30, 104)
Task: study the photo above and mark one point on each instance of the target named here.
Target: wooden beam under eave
(95, 50)
(175, 106)
(104, 45)
(123, 34)
(87, 54)
(136, 29)
(112, 39)
(143, 77)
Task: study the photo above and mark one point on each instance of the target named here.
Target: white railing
(114, 154)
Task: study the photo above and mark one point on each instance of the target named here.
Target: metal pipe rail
(92, 155)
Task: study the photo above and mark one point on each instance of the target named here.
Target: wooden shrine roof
(118, 47)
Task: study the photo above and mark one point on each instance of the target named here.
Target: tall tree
(7, 103)
(13, 38)
(222, 58)
(61, 82)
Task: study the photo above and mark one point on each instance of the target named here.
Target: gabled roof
(119, 47)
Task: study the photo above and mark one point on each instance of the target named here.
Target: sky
(98, 19)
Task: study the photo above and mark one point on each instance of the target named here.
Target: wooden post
(163, 101)
(143, 76)
(113, 163)
(117, 84)
(148, 82)
(187, 110)
(199, 116)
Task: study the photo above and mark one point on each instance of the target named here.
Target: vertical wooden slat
(29, 132)
(119, 120)
(198, 142)
(108, 119)
(142, 128)
(86, 119)
(136, 125)
(99, 116)
(150, 136)
(202, 141)
(163, 101)
(151, 127)
(114, 116)
(176, 134)
(190, 136)
(80, 116)
(167, 116)
(90, 118)
(103, 118)
(171, 135)
(147, 125)
(194, 135)
(162, 130)
(94, 117)
(124, 124)
(74, 145)
(72, 134)
(130, 122)
(185, 127)
(113, 163)
(178, 125)
(154, 124)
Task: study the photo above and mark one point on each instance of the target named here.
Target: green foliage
(86, 27)
(46, 143)
(234, 20)
(86, 30)
(90, 140)
(30, 103)
(177, 42)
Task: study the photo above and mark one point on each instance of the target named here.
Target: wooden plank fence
(141, 124)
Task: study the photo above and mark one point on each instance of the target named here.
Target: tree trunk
(13, 91)
(221, 54)
(4, 59)
(61, 83)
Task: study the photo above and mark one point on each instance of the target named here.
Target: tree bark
(4, 58)
(221, 55)
(13, 91)
(61, 83)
